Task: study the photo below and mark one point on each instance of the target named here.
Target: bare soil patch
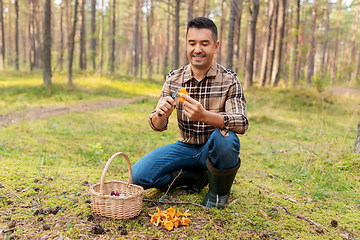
(345, 91)
(41, 112)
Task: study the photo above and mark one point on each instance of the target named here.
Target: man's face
(201, 47)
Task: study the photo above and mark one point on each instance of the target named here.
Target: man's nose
(197, 48)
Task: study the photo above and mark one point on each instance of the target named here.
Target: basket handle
(107, 167)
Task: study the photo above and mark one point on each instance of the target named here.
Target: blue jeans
(154, 169)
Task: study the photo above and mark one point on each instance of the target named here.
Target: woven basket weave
(125, 206)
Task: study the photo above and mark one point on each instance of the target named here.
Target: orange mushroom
(182, 90)
(169, 225)
(185, 221)
(170, 218)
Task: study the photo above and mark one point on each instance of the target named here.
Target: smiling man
(207, 151)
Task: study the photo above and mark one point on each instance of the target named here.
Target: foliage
(297, 158)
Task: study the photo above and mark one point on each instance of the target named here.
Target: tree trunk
(72, 43)
(167, 40)
(275, 75)
(47, 44)
(238, 31)
(296, 48)
(149, 21)
(93, 32)
(272, 43)
(101, 28)
(262, 79)
(141, 16)
(189, 16)
(2, 33)
(312, 48)
(112, 54)
(221, 34)
(38, 44)
(176, 34)
(31, 35)
(250, 45)
(357, 141)
(334, 68)
(326, 39)
(61, 57)
(9, 37)
(204, 9)
(82, 60)
(353, 47)
(135, 47)
(230, 45)
(16, 4)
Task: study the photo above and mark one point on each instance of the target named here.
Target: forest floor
(43, 112)
(293, 184)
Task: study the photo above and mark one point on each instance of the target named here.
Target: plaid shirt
(220, 91)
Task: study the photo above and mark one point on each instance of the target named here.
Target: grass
(297, 158)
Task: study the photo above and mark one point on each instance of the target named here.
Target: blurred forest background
(294, 42)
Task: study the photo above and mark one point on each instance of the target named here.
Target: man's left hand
(193, 109)
(196, 112)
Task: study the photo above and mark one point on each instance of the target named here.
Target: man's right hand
(165, 107)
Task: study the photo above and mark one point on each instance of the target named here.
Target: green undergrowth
(23, 90)
(297, 160)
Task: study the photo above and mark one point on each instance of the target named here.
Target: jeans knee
(227, 145)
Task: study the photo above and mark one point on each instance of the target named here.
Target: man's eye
(205, 44)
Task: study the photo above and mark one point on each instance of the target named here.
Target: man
(207, 151)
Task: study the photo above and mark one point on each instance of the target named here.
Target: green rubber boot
(189, 181)
(220, 182)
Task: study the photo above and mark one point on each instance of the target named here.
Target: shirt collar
(210, 73)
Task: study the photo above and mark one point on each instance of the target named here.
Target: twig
(318, 228)
(74, 182)
(29, 206)
(172, 202)
(173, 182)
(15, 194)
(8, 230)
(290, 199)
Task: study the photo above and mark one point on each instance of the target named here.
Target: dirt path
(41, 113)
(345, 91)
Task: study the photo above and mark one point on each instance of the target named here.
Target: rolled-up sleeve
(235, 115)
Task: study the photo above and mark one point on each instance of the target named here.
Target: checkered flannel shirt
(220, 91)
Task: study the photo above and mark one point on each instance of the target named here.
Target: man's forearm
(214, 119)
(158, 123)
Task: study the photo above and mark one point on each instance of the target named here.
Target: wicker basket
(125, 206)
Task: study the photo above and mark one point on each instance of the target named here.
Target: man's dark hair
(203, 22)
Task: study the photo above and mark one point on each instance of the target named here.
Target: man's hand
(165, 107)
(193, 109)
(196, 112)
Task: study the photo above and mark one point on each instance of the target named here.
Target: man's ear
(217, 44)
